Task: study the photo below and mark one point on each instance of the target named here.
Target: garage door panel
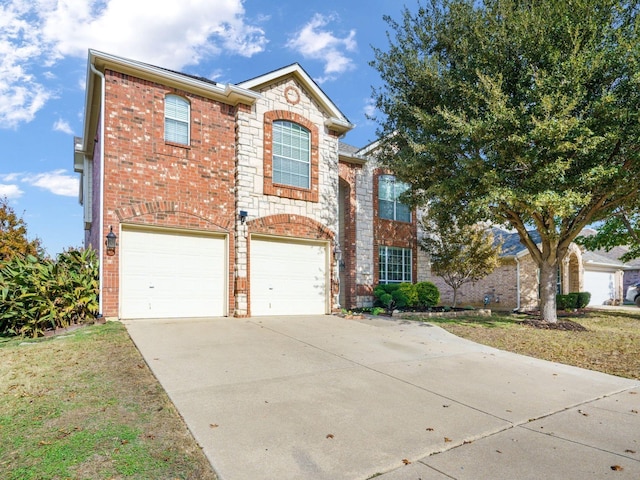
(601, 286)
(288, 278)
(172, 275)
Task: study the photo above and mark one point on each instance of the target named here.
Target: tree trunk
(548, 286)
(455, 297)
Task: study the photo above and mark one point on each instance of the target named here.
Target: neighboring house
(515, 284)
(223, 198)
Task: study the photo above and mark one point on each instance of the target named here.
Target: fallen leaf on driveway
(634, 411)
(406, 461)
(629, 451)
(447, 439)
(583, 413)
(330, 435)
(429, 429)
(617, 468)
(213, 425)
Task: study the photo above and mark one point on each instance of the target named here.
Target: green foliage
(563, 302)
(573, 301)
(621, 229)
(518, 113)
(583, 299)
(428, 294)
(459, 253)
(13, 235)
(406, 295)
(40, 294)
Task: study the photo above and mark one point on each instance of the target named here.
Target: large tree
(521, 113)
(13, 235)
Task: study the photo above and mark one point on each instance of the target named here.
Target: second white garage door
(288, 277)
(167, 274)
(601, 286)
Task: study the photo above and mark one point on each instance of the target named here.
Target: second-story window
(389, 205)
(176, 119)
(291, 154)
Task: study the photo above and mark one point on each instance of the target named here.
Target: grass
(611, 343)
(84, 405)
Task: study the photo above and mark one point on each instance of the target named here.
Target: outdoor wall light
(243, 216)
(111, 242)
(337, 253)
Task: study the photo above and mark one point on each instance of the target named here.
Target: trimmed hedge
(573, 301)
(406, 295)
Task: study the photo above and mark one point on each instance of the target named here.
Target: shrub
(428, 294)
(573, 300)
(410, 294)
(40, 294)
(563, 302)
(583, 299)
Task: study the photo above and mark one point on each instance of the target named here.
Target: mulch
(561, 324)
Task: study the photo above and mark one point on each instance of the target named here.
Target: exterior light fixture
(337, 253)
(111, 243)
(243, 216)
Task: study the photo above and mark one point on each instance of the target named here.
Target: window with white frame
(176, 119)
(395, 264)
(389, 205)
(291, 144)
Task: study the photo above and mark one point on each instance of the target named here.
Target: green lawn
(84, 405)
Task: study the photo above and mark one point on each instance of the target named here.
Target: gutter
(101, 140)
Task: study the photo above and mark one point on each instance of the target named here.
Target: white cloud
(10, 191)
(369, 108)
(57, 182)
(34, 35)
(175, 34)
(315, 42)
(62, 126)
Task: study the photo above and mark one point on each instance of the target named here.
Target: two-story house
(234, 199)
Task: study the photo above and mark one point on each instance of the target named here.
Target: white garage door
(288, 277)
(600, 285)
(169, 274)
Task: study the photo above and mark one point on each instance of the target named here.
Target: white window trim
(396, 201)
(277, 124)
(178, 120)
(407, 274)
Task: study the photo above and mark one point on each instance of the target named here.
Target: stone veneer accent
(260, 198)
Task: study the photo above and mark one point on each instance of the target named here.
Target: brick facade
(225, 168)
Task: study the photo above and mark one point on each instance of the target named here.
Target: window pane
(176, 119)
(394, 264)
(291, 159)
(403, 213)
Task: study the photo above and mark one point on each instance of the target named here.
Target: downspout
(101, 140)
(517, 283)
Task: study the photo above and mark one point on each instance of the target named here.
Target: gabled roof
(337, 120)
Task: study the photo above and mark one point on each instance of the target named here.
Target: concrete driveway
(327, 398)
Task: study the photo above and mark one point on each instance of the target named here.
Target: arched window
(291, 154)
(176, 119)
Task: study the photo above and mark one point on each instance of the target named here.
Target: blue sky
(43, 62)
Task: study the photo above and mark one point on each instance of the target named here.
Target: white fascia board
(229, 94)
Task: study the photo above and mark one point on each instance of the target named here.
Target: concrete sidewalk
(329, 398)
